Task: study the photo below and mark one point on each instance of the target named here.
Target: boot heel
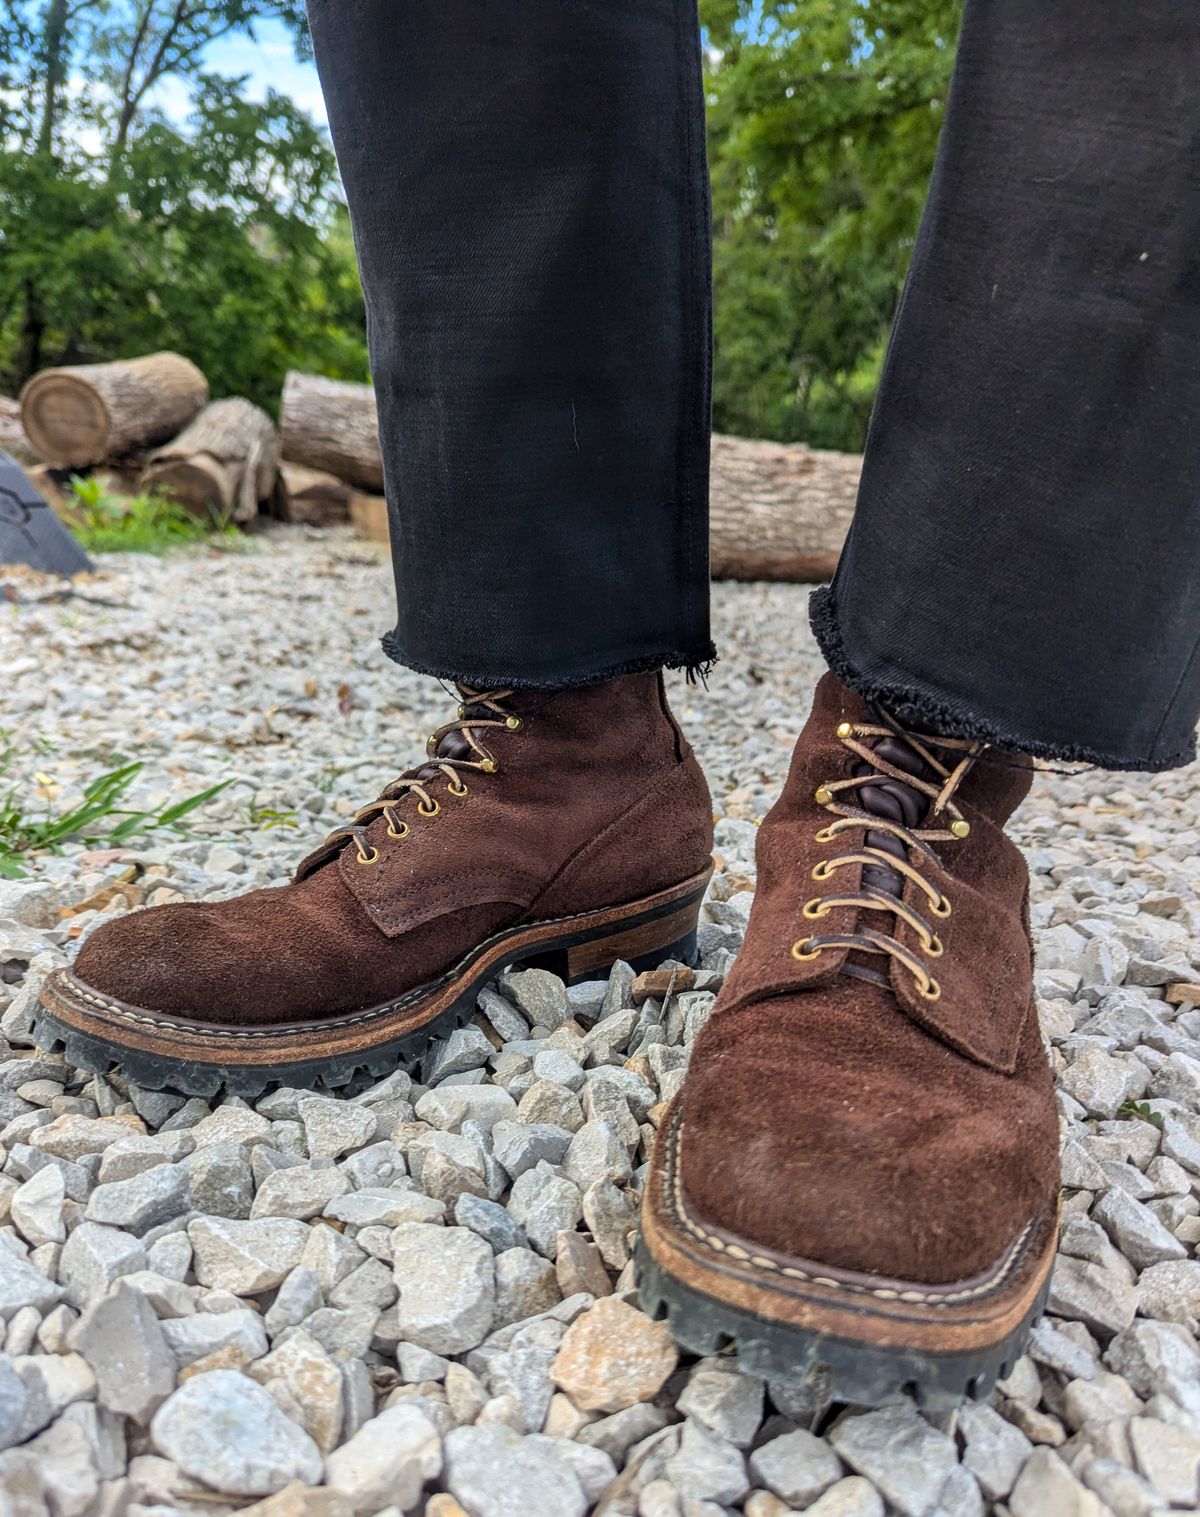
(643, 946)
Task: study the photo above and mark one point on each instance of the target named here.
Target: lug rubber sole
(191, 1058)
(870, 1342)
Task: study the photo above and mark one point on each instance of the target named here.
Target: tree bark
(222, 465)
(779, 510)
(312, 495)
(332, 425)
(12, 433)
(98, 412)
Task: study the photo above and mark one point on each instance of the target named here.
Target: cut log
(312, 495)
(779, 510)
(222, 465)
(97, 412)
(12, 433)
(332, 425)
(370, 516)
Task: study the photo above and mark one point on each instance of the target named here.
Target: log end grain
(65, 419)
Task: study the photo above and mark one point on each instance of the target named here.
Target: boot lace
(454, 749)
(901, 790)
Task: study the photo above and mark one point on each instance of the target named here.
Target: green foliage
(122, 231)
(267, 817)
(21, 832)
(1140, 1110)
(108, 523)
(823, 123)
(125, 232)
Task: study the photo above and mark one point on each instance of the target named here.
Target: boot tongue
(896, 802)
(453, 744)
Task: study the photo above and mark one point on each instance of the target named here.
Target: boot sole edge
(192, 1058)
(867, 1350)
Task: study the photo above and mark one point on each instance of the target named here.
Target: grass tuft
(105, 522)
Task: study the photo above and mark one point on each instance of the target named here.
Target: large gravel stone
(333, 1128)
(852, 1497)
(299, 1192)
(525, 1285)
(92, 1258)
(246, 1257)
(447, 1284)
(1135, 1229)
(221, 1180)
(192, 1338)
(143, 1201)
(995, 1449)
(493, 1472)
(1091, 1295)
(798, 1467)
(22, 1285)
(14, 1400)
(613, 1357)
(120, 1337)
(706, 1468)
(1169, 1458)
(1100, 1082)
(37, 1206)
(306, 1384)
(1046, 1486)
(897, 1450)
(540, 995)
(519, 1146)
(1171, 1292)
(449, 1106)
(225, 1431)
(727, 1403)
(545, 1204)
(388, 1460)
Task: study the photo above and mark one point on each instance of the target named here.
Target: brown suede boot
(861, 1171)
(564, 829)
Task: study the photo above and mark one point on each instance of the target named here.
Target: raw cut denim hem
(696, 664)
(917, 706)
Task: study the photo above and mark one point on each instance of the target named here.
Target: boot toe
(827, 1127)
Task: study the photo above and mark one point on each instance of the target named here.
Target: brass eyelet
(960, 828)
(845, 729)
(826, 835)
(368, 858)
(462, 711)
(942, 909)
(823, 795)
(822, 871)
(402, 832)
(489, 765)
(934, 948)
(814, 910)
(513, 723)
(423, 810)
(930, 992)
(456, 790)
(798, 949)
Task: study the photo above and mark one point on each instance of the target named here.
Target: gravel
(419, 1293)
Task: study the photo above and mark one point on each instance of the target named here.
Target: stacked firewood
(779, 510)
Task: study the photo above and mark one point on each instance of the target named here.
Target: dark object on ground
(30, 533)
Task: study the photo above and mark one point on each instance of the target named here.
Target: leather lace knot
(901, 793)
(455, 748)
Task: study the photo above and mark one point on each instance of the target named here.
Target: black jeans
(529, 197)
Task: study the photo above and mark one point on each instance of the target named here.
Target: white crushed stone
(199, 1304)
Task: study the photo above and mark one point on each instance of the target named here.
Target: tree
(125, 231)
(823, 123)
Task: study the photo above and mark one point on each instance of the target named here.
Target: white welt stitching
(79, 990)
(758, 1261)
